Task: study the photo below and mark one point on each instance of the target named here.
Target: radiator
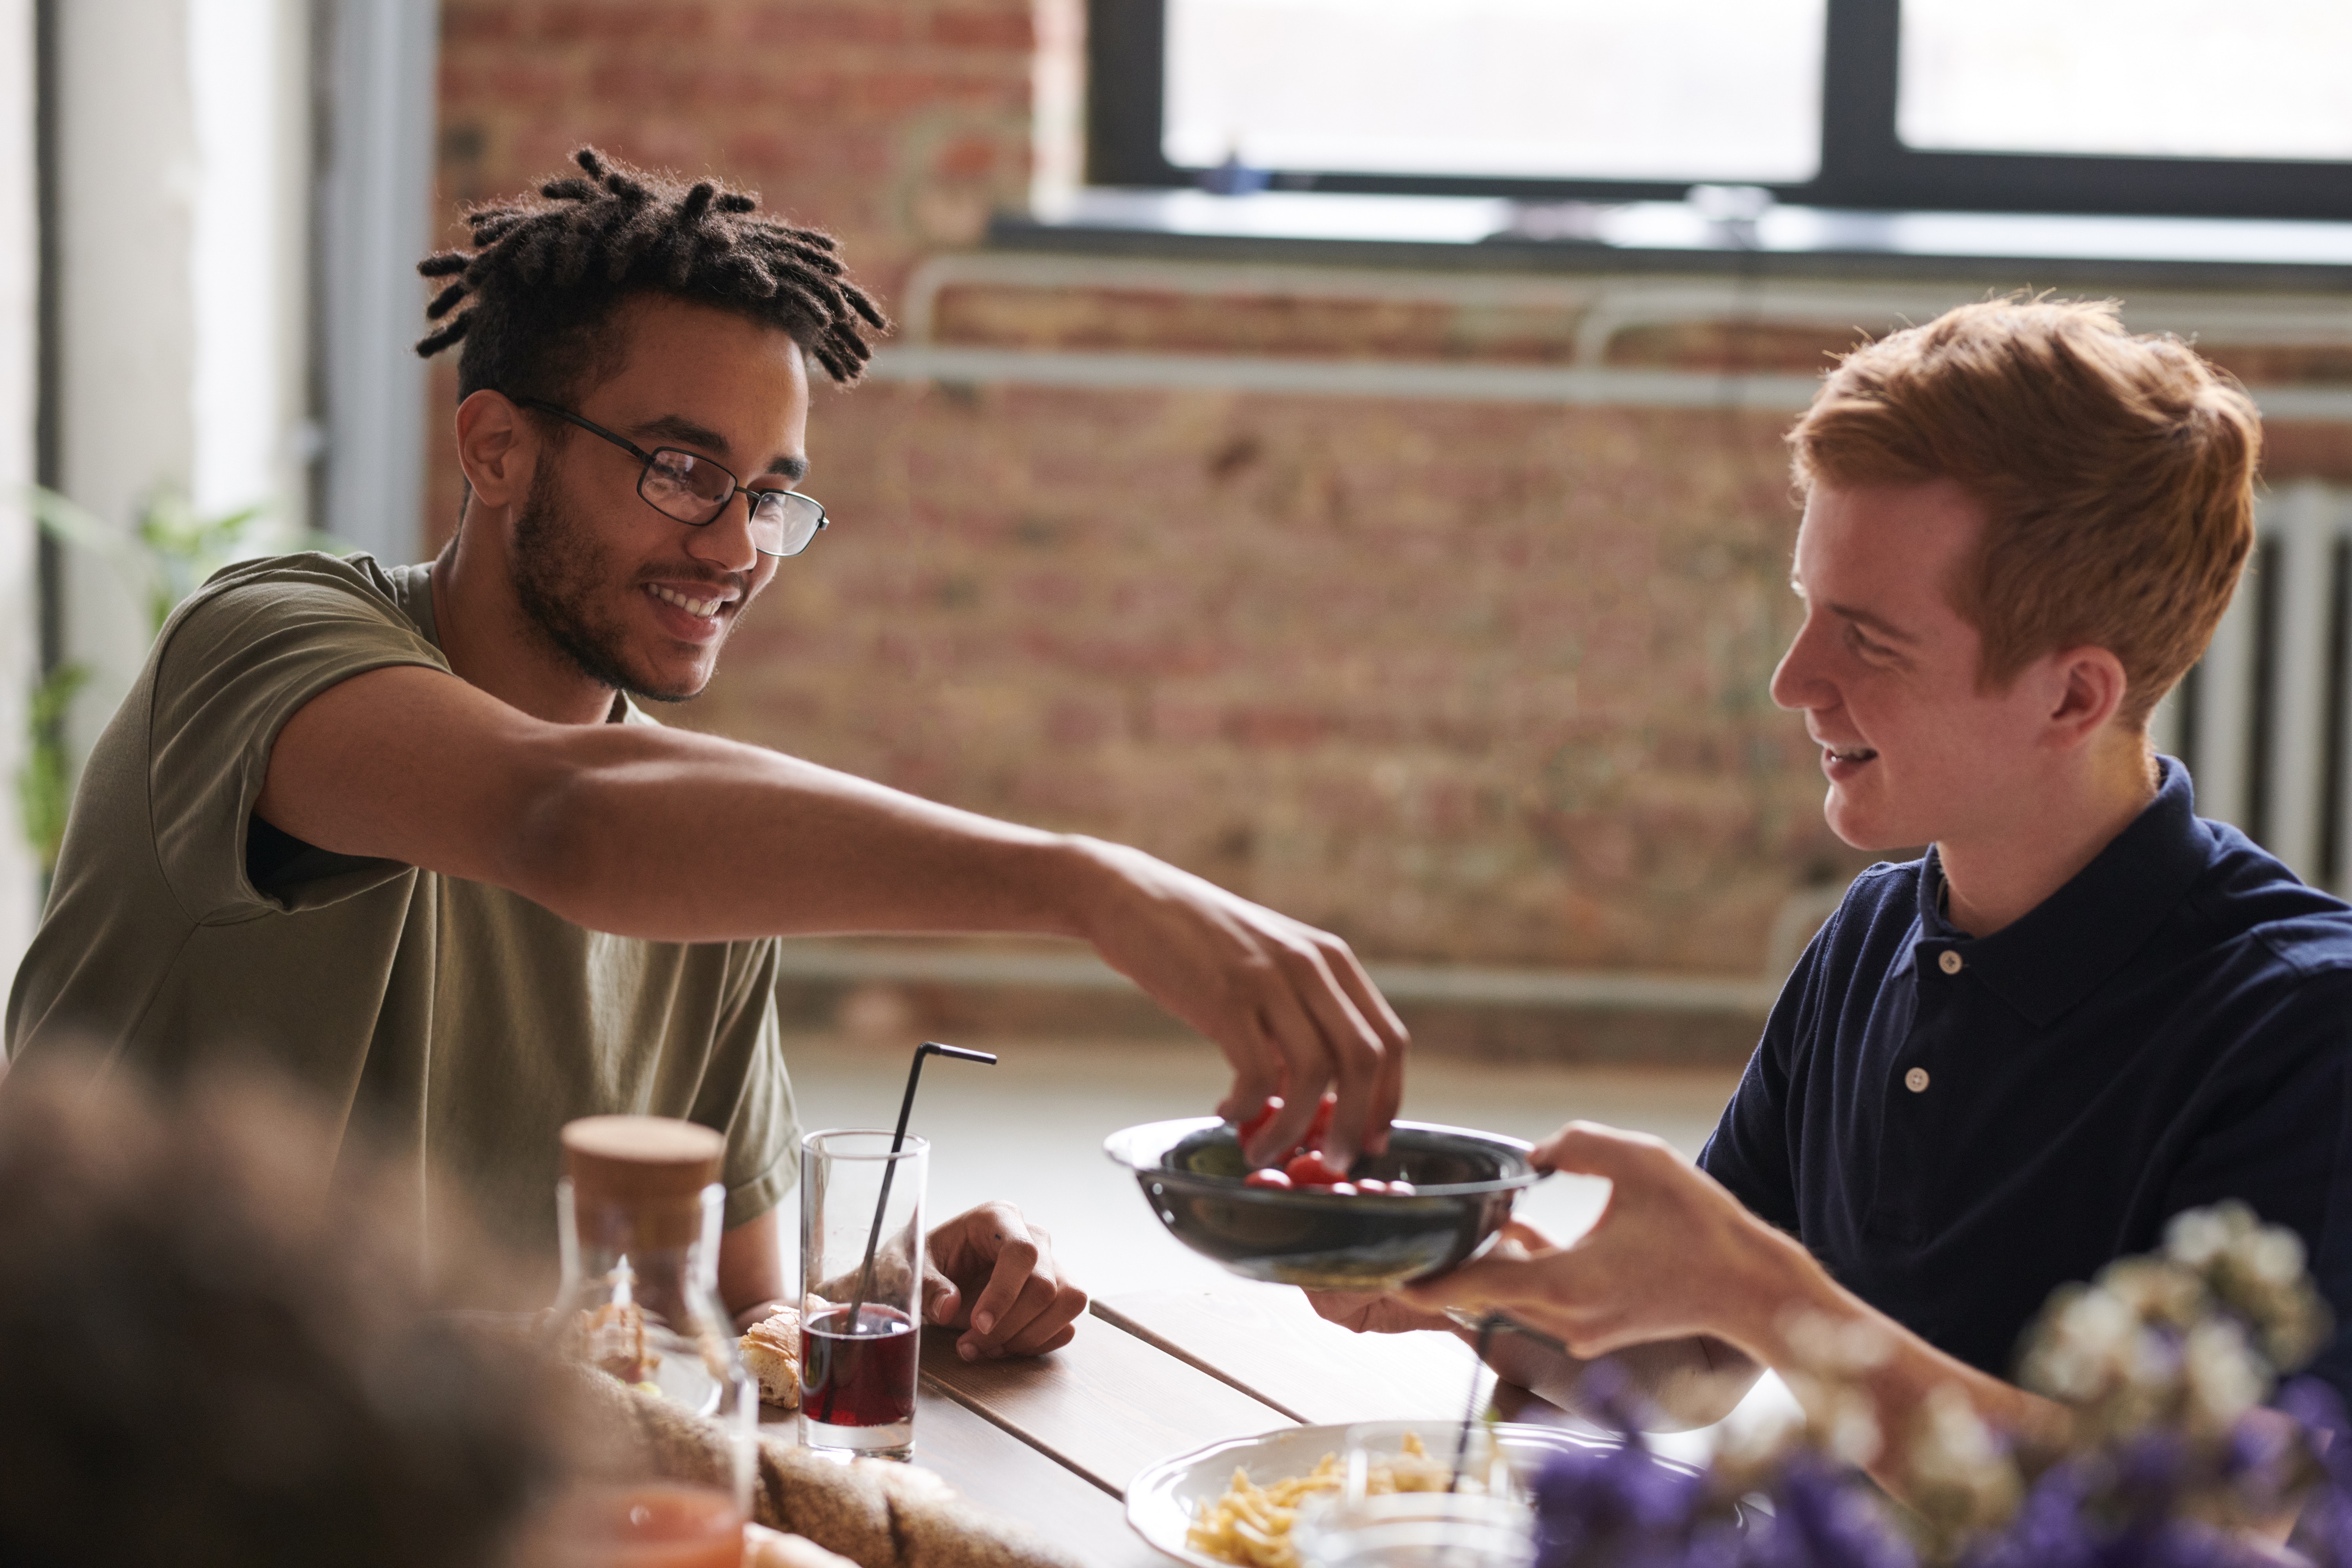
(2261, 720)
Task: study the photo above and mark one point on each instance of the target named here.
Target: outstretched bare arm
(671, 835)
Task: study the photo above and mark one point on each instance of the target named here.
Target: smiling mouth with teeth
(705, 608)
(1849, 753)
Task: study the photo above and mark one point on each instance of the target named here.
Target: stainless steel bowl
(1191, 1174)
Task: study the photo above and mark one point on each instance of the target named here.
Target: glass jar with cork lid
(639, 1215)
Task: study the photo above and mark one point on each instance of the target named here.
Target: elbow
(1698, 1382)
(1688, 1408)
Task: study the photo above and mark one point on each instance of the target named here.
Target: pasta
(1250, 1526)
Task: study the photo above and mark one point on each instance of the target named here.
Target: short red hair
(2117, 474)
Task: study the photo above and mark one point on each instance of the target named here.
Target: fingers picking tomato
(1322, 1122)
(1258, 1123)
(1269, 1177)
(1310, 1170)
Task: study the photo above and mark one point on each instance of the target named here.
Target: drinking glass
(861, 1291)
(1421, 1494)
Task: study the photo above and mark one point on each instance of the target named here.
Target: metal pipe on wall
(379, 60)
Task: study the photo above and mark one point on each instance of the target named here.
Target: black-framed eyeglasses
(692, 490)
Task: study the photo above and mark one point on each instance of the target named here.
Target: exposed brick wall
(1462, 681)
(1476, 682)
(898, 125)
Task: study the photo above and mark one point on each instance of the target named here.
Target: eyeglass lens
(692, 490)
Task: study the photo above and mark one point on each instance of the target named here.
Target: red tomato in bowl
(1309, 1169)
(1270, 1177)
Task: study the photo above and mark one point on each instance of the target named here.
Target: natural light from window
(2177, 79)
(1662, 90)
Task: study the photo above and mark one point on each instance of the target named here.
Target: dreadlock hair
(542, 282)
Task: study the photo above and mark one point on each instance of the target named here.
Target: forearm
(751, 1269)
(683, 837)
(1673, 1385)
(1794, 1318)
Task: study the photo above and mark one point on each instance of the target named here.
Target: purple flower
(1619, 1506)
(2324, 1533)
(2049, 1531)
(2091, 1515)
(2320, 1410)
(1821, 1519)
(2151, 1469)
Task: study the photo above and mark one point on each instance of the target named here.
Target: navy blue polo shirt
(1955, 1126)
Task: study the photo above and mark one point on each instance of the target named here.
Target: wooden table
(1054, 1441)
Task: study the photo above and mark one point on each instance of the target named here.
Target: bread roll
(772, 1353)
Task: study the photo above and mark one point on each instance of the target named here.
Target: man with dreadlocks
(404, 832)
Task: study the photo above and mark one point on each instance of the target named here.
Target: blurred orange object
(656, 1524)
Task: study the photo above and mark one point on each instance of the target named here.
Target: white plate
(1163, 1503)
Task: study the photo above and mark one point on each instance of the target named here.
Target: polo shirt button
(1950, 962)
(1915, 1080)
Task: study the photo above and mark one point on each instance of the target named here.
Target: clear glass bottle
(639, 1216)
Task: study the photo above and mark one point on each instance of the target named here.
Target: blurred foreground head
(212, 1360)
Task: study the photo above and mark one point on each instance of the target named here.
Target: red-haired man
(2084, 1010)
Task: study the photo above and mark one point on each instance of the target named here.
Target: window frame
(1863, 164)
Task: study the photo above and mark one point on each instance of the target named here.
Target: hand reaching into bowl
(1289, 1005)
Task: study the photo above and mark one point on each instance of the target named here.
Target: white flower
(2089, 1342)
(2224, 1376)
(2272, 1255)
(1852, 1434)
(2196, 1237)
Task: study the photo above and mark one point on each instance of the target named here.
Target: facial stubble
(558, 573)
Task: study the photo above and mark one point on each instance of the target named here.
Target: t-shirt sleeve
(235, 667)
(1751, 1150)
(747, 1094)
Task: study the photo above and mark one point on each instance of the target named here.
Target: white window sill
(1647, 235)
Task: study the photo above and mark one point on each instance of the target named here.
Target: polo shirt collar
(2069, 945)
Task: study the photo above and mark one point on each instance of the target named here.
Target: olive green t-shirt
(464, 1023)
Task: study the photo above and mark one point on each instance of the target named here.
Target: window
(2103, 106)
(2023, 76)
(1666, 90)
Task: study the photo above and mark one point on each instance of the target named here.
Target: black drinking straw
(890, 1171)
(1486, 1327)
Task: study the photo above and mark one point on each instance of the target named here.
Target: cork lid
(641, 1162)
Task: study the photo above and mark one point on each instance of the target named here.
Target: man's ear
(2089, 687)
(497, 448)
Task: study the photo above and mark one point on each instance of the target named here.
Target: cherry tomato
(1270, 1177)
(1257, 1124)
(1339, 1189)
(1308, 1170)
(1403, 1190)
(1373, 1186)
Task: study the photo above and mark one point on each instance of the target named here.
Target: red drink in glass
(863, 1379)
(861, 1242)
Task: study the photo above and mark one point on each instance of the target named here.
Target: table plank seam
(1120, 1320)
(942, 1386)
